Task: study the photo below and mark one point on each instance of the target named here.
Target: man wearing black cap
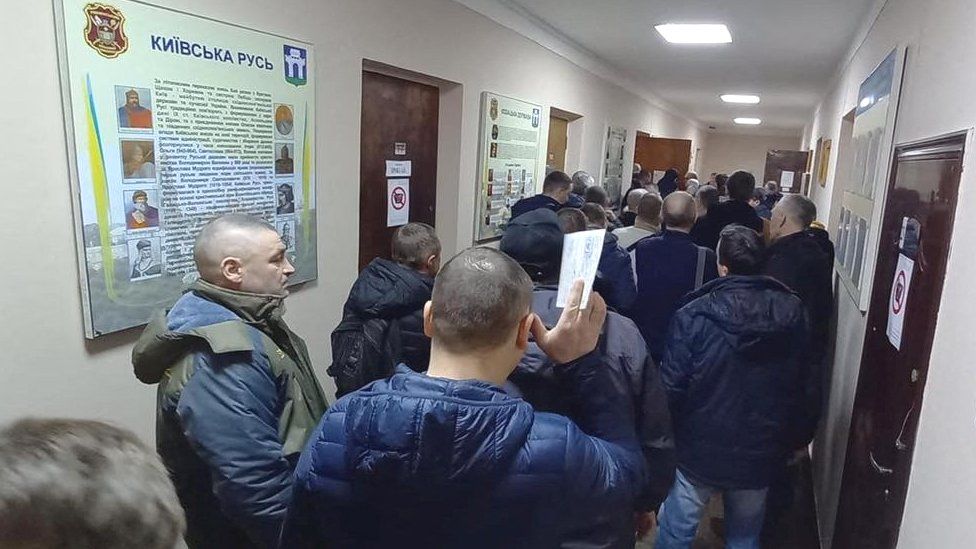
(535, 241)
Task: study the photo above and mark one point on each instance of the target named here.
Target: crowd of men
(473, 411)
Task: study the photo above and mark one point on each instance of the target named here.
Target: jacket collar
(733, 282)
(263, 311)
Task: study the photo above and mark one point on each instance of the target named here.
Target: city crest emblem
(105, 32)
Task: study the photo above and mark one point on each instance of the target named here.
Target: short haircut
(741, 250)
(478, 298)
(556, 181)
(679, 210)
(649, 208)
(708, 195)
(720, 181)
(596, 195)
(413, 244)
(581, 180)
(772, 186)
(634, 197)
(740, 185)
(691, 175)
(78, 483)
(212, 246)
(571, 220)
(800, 208)
(758, 194)
(139, 194)
(594, 214)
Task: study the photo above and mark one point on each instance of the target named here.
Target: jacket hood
(413, 430)
(387, 289)
(168, 336)
(757, 314)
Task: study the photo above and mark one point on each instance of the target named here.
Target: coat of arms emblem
(104, 32)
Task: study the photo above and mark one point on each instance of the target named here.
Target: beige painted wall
(49, 369)
(936, 99)
(726, 153)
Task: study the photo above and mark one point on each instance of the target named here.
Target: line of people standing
(477, 413)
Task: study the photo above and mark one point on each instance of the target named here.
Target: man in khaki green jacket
(237, 396)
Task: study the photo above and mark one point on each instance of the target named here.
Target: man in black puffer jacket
(734, 367)
(382, 321)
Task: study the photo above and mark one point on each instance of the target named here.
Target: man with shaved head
(668, 266)
(237, 396)
(447, 458)
(796, 258)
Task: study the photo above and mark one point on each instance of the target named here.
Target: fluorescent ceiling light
(734, 98)
(695, 34)
(867, 101)
(748, 121)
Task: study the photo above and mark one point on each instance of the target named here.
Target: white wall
(726, 153)
(936, 99)
(49, 369)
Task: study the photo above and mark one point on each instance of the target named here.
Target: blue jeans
(682, 511)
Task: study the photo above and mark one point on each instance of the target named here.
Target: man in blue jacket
(668, 266)
(615, 272)
(237, 396)
(556, 189)
(733, 369)
(448, 459)
(536, 243)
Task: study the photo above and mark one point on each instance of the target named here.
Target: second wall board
(509, 163)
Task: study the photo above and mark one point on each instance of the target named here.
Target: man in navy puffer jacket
(448, 459)
(734, 368)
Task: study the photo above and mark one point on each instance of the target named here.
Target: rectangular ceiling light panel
(748, 121)
(676, 33)
(736, 98)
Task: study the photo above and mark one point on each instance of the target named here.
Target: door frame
(921, 148)
(452, 233)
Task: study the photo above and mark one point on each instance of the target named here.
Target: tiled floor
(796, 530)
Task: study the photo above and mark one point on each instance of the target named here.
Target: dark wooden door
(778, 161)
(660, 154)
(399, 116)
(922, 200)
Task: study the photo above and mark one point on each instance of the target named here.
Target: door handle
(880, 469)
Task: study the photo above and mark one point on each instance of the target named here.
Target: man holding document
(447, 458)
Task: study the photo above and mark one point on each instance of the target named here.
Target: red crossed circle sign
(398, 198)
(900, 293)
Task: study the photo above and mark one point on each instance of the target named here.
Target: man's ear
(723, 270)
(428, 320)
(232, 269)
(433, 264)
(524, 328)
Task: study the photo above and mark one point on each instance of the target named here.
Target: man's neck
(647, 225)
(552, 197)
(788, 231)
(478, 366)
(684, 230)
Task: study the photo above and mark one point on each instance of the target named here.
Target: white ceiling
(784, 50)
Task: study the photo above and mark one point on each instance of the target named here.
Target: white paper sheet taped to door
(899, 299)
(397, 202)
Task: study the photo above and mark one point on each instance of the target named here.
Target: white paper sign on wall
(899, 299)
(397, 202)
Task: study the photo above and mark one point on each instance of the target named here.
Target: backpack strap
(700, 270)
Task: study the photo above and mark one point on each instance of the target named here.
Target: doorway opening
(565, 141)
(658, 154)
(410, 138)
(915, 237)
